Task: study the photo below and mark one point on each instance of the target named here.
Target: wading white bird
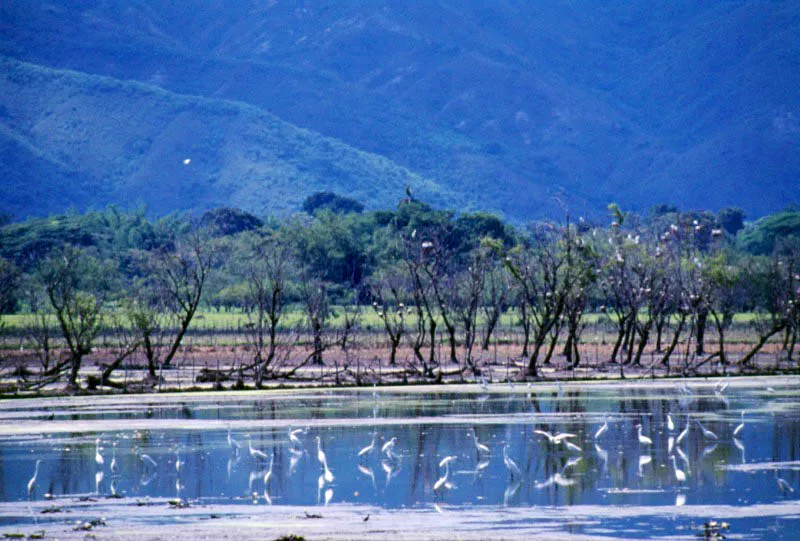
(369, 448)
(327, 475)
(113, 464)
(706, 432)
(670, 424)
(644, 440)
(512, 467)
(679, 474)
(32, 482)
(442, 481)
(293, 436)
(255, 454)
(571, 446)
(481, 448)
(683, 433)
(739, 428)
(388, 447)
(601, 430)
(97, 456)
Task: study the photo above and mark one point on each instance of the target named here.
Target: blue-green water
(613, 469)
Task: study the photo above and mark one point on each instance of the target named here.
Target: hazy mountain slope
(506, 103)
(127, 142)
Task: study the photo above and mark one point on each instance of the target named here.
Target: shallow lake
(197, 448)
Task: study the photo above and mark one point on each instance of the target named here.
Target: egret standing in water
(295, 441)
(442, 481)
(388, 448)
(369, 448)
(255, 454)
(511, 466)
(97, 456)
(643, 440)
(679, 474)
(479, 447)
(327, 475)
(32, 482)
(706, 432)
(113, 464)
(670, 424)
(740, 427)
(554, 439)
(683, 433)
(602, 430)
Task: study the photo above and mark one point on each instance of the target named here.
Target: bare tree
(389, 289)
(468, 294)
(75, 283)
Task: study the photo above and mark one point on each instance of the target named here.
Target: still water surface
(198, 449)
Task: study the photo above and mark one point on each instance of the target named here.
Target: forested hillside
(506, 107)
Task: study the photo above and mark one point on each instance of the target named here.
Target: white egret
(178, 462)
(603, 454)
(320, 452)
(269, 471)
(442, 481)
(32, 482)
(679, 474)
(512, 467)
(293, 436)
(481, 448)
(571, 446)
(327, 475)
(113, 464)
(670, 424)
(683, 433)
(232, 443)
(706, 432)
(670, 444)
(554, 439)
(97, 456)
(255, 454)
(388, 447)
(602, 430)
(740, 427)
(784, 486)
(643, 440)
(369, 448)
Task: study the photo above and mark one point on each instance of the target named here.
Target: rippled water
(197, 448)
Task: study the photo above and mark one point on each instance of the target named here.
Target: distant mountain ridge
(505, 106)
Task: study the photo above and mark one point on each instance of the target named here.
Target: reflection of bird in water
(98, 480)
(706, 432)
(294, 459)
(710, 449)
(679, 474)
(571, 463)
(643, 440)
(643, 461)
(602, 430)
(680, 500)
(739, 445)
(554, 438)
(392, 468)
(32, 482)
(366, 470)
(684, 458)
(556, 479)
(740, 427)
(328, 496)
(479, 447)
(442, 481)
(603, 454)
(511, 466)
(670, 444)
(369, 448)
(670, 424)
(511, 491)
(98, 458)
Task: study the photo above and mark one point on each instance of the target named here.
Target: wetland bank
(246, 465)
